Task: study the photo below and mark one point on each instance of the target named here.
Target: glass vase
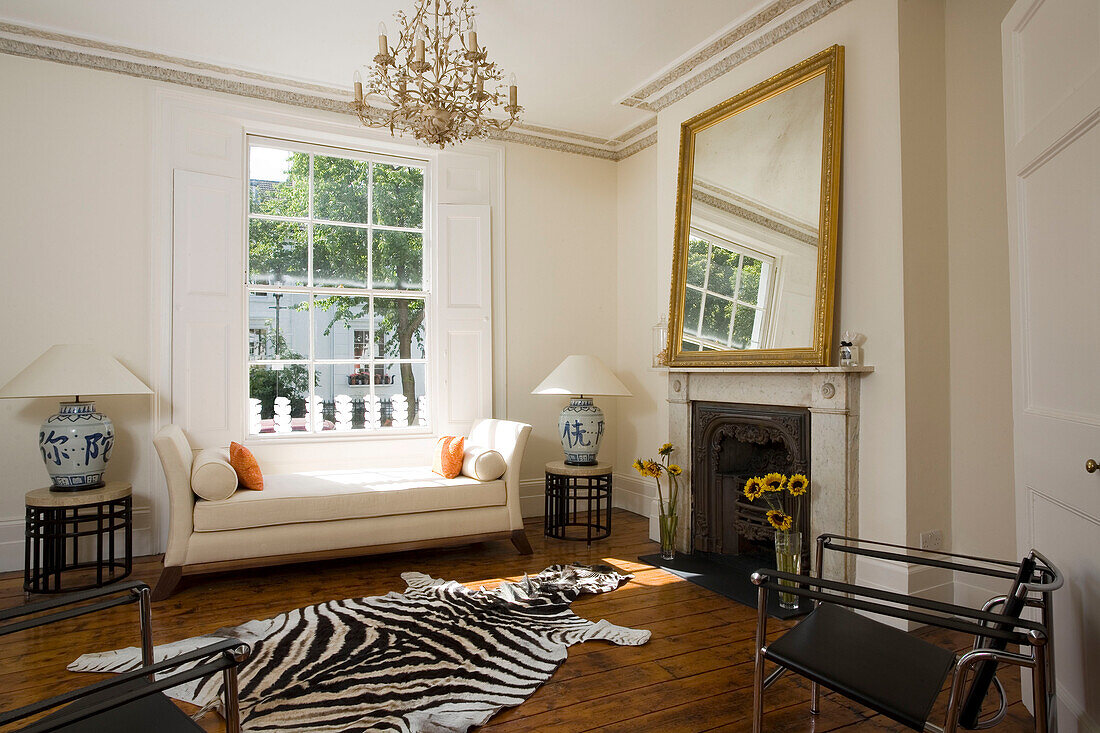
(788, 559)
(668, 524)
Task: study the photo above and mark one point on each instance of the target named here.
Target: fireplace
(826, 403)
(731, 443)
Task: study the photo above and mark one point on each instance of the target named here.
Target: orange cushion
(449, 451)
(244, 463)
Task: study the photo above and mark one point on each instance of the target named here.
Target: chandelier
(436, 83)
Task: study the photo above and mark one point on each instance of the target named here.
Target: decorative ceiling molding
(708, 53)
(673, 85)
(728, 52)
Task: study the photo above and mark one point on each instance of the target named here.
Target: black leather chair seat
(151, 713)
(876, 665)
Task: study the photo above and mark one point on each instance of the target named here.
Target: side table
(578, 496)
(56, 521)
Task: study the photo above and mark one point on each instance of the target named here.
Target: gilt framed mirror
(754, 261)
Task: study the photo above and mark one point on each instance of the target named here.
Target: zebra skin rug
(438, 658)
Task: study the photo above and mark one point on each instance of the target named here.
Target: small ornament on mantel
(850, 354)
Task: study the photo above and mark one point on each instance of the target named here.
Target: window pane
(340, 187)
(398, 196)
(279, 323)
(399, 328)
(336, 320)
(692, 303)
(277, 253)
(689, 346)
(278, 182)
(750, 280)
(398, 260)
(697, 262)
(402, 395)
(341, 257)
(277, 398)
(745, 330)
(344, 390)
(716, 319)
(723, 271)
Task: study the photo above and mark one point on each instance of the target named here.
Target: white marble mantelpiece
(832, 396)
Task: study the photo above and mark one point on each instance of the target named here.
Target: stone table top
(561, 468)
(111, 491)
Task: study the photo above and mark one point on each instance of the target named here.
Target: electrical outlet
(931, 540)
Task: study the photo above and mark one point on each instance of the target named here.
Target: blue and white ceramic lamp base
(581, 429)
(76, 444)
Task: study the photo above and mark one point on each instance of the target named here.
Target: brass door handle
(1091, 466)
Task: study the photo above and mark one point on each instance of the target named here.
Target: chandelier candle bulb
(513, 94)
(358, 79)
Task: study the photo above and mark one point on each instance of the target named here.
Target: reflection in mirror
(749, 274)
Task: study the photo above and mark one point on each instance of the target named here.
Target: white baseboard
(13, 538)
(628, 493)
(923, 581)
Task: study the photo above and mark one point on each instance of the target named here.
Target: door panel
(1051, 57)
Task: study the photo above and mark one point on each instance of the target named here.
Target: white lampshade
(581, 374)
(70, 370)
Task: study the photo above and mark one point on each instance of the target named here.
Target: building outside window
(337, 293)
(727, 295)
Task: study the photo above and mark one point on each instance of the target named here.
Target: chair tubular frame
(224, 657)
(984, 624)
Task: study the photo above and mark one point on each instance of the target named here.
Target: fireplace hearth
(730, 444)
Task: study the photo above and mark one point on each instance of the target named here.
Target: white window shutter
(207, 306)
(463, 295)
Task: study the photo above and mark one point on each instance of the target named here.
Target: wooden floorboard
(694, 675)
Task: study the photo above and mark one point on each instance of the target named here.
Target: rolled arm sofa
(315, 515)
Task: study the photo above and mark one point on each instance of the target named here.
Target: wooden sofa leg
(519, 539)
(166, 584)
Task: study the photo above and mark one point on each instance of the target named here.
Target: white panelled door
(1051, 53)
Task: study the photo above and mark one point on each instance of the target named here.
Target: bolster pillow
(212, 478)
(483, 464)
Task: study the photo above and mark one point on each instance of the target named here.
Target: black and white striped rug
(437, 658)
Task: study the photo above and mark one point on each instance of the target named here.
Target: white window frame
(763, 305)
(427, 293)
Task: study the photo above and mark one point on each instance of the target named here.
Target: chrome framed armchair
(900, 675)
(134, 700)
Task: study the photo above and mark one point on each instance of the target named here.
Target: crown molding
(774, 23)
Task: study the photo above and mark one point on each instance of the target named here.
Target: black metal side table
(56, 522)
(578, 496)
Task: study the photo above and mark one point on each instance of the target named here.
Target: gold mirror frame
(829, 63)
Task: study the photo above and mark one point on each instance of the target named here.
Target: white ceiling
(574, 59)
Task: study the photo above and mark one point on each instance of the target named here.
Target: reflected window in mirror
(726, 304)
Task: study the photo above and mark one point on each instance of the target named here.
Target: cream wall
(643, 418)
(924, 217)
(74, 265)
(982, 500)
(561, 233)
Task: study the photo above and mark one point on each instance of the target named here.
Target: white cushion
(212, 477)
(483, 464)
(318, 496)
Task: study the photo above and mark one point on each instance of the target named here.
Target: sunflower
(754, 488)
(665, 449)
(639, 466)
(798, 484)
(774, 482)
(674, 469)
(779, 520)
(652, 468)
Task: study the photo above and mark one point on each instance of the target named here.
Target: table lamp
(76, 442)
(581, 423)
